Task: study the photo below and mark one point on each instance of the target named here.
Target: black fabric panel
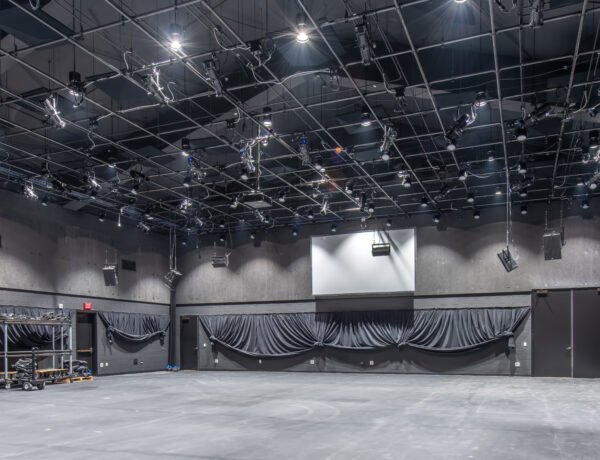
(30, 335)
(289, 334)
(134, 327)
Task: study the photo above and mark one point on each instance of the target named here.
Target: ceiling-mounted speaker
(553, 242)
(110, 275)
(507, 260)
(172, 278)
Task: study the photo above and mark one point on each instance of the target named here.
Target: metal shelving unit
(39, 377)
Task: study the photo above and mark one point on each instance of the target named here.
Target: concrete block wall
(50, 255)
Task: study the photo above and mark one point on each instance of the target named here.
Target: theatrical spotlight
(267, 117)
(366, 119)
(52, 113)
(301, 33)
(143, 226)
(524, 210)
(593, 139)
(476, 215)
(480, 100)
(76, 90)
(213, 76)
(29, 191)
(364, 43)
(185, 147)
(333, 228)
(389, 135)
(175, 37)
(470, 198)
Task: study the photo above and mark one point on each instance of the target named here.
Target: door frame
(93, 365)
(187, 319)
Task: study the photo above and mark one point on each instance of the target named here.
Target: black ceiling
(439, 53)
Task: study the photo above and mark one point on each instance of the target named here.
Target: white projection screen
(344, 264)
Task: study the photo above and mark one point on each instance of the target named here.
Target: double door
(566, 338)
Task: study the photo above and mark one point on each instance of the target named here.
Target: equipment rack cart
(39, 377)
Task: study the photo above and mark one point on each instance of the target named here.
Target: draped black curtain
(288, 334)
(134, 327)
(30, 335)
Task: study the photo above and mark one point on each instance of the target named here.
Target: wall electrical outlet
(371, 363)
(312, 361)
(105, 364)
(60, 306)
(204, 345)
(260, 361)
(517, 364)
(216, 361)
(101, 364)
(524, 344)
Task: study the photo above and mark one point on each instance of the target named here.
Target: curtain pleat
(134, 327)
(30, 335)
(288, 334)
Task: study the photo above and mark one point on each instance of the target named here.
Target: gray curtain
(30, 335)
(134, 327)
(288, 334)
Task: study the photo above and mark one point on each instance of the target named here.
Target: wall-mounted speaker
(553, 243)
(110, 275)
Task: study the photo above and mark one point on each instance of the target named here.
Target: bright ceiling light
(267, 117)
(302, 37)
(175, 36)
(365, 117)
(460, 1)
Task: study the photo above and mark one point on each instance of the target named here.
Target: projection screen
(344, 264)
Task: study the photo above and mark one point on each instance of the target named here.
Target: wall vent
(128, 265)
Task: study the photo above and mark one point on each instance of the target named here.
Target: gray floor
(243, 415)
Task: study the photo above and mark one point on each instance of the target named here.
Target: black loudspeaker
(507, 260)
(172, 278)
(553, 243)
(110, 275)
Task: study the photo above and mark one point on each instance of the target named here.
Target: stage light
(364, 43)
(424, 202)
(349, 188)
(371, 208)
(101, 217)
(244, 175)
(333, 228)
(470, 198)
(406, 182)
(436, 218)
(365, 118)
(585, 204)
(222, 224)
(491, 157)
(389, 135)
(498, 191)
(318, 164)
(185, 147)
(459, 1)
(119, 220)
(52, 113)
(301, 35)
(76, 88)
(294, 232)
(252, 236)
(450, 144)
(480, 100)
(476, 215)
(388, 223)
(462, 175)
(267, 119)
(213, 76)
(187, 181)
(281, 197)
(222, 238)
(521, 134)
(338, 150)
(580, 181)
(522, 167)
(234, 203)
(175, 37)
(44, 201)
(310, 215)
(524, 210)
(592, 185)
(523, 193)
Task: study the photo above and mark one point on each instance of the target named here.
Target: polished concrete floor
(244, 415)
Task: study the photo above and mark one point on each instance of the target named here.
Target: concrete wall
(457, 257)
(50, 249)
(50, 256)
(456, 266)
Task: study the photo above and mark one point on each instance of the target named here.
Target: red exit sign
(87, 305)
